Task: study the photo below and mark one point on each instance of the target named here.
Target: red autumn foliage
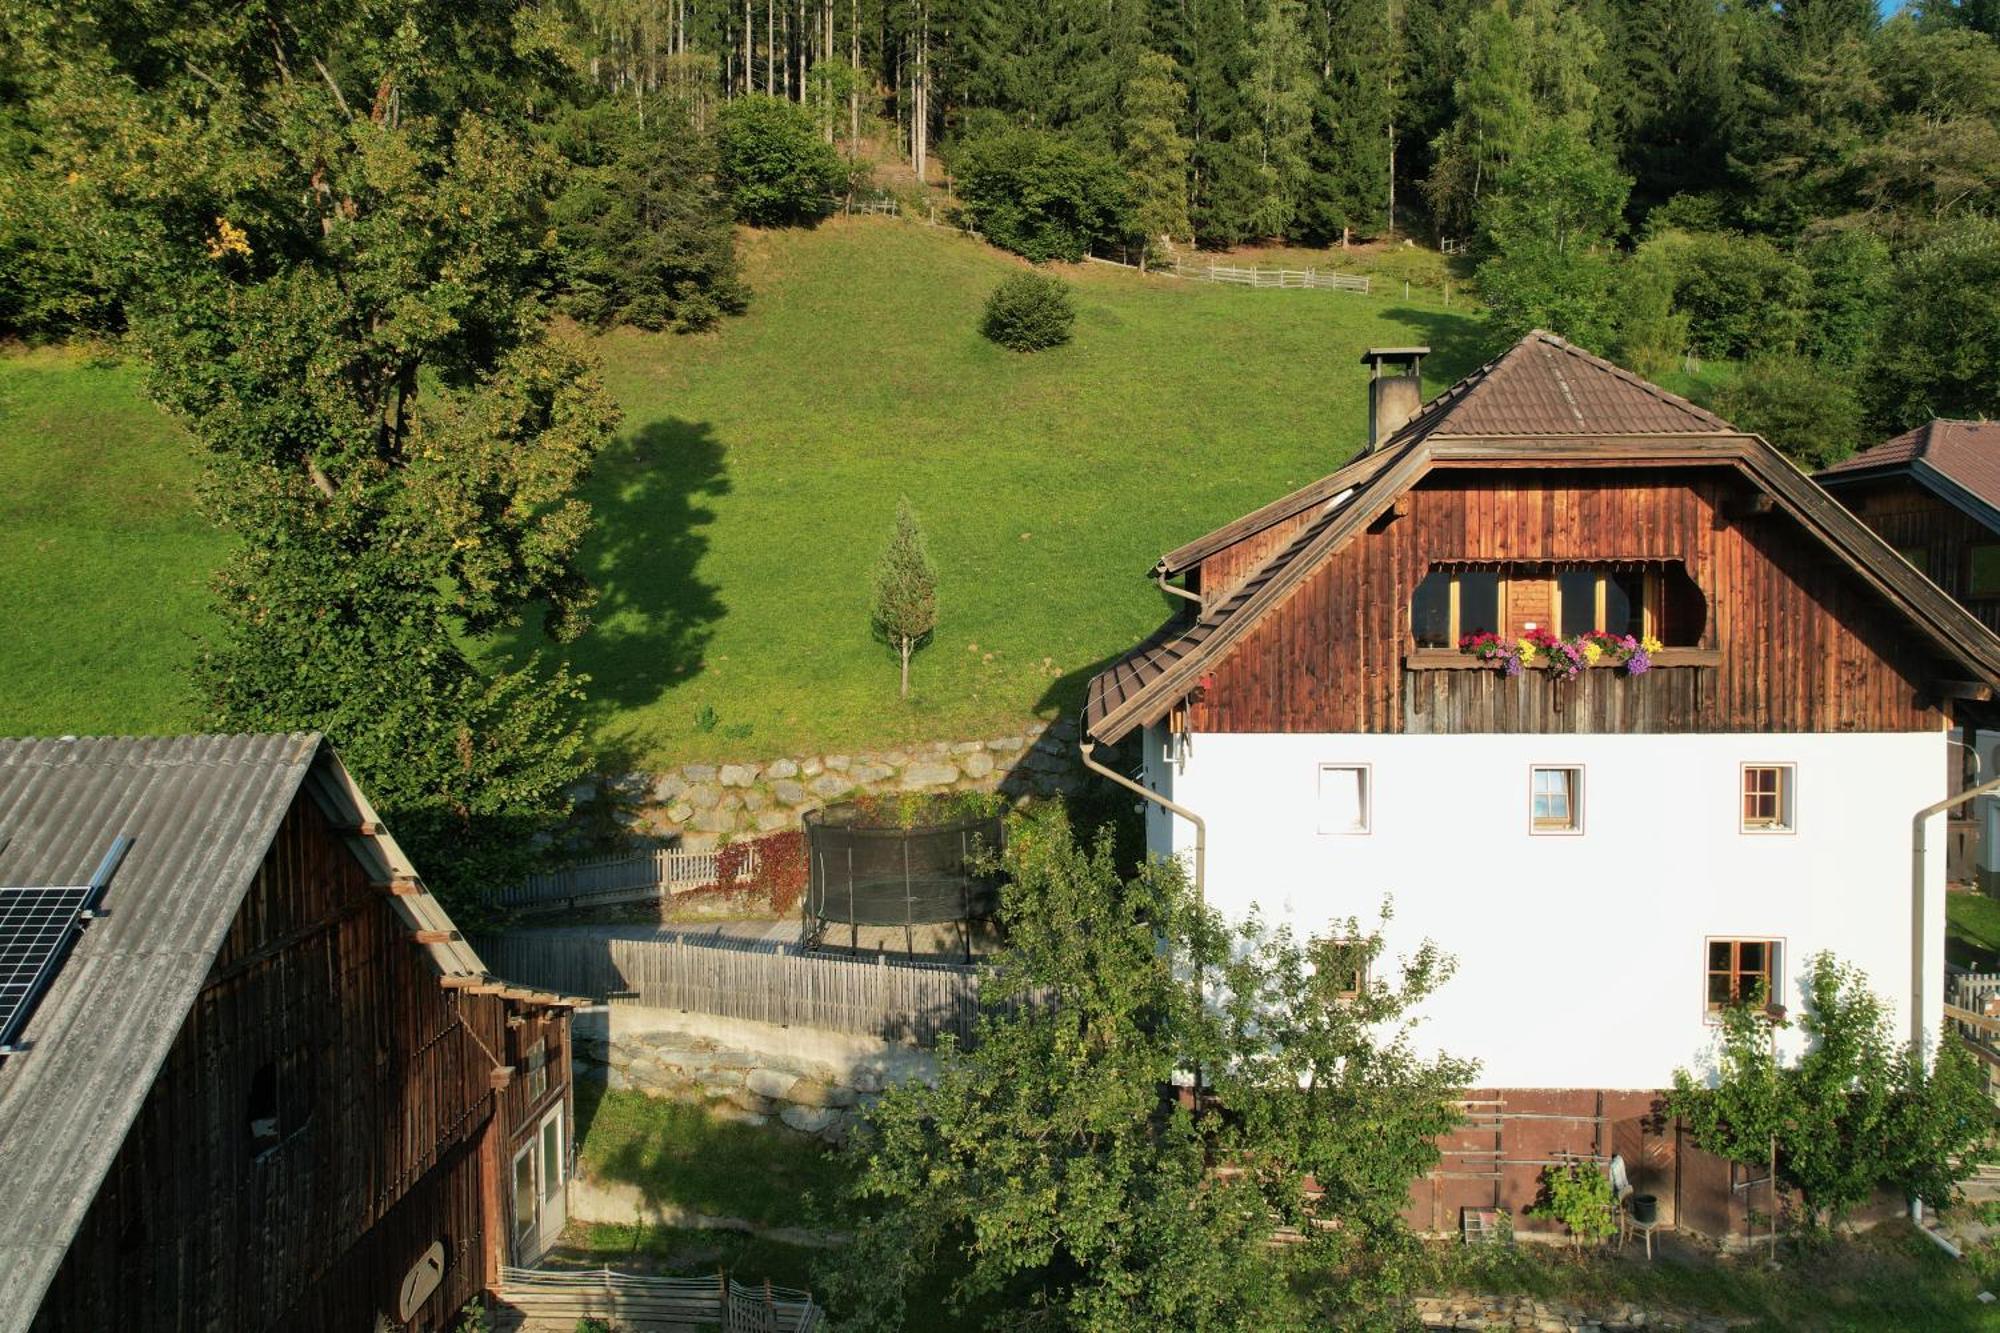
(779, 874)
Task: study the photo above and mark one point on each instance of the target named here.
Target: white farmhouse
(1707, 772)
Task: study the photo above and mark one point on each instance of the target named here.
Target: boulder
(808, 1119)
(829, 785)
(745, 1100)
(977, 764)
(866, 773)
(737, 775)
(838, 763)
(773, 820)
(702, 795)
(789, 791)
(736, 1114)
(698, 772)
(894, 758)
(667, 788)
(968, 747)
(811, 767)
(812, 1092)
(780, 768)
(774, 1083)
(921, 775)
(714, 821)
(1005, 744)
(681, 813)
(755, 799)
(730, 800)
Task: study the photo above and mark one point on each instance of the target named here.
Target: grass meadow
(754, 482)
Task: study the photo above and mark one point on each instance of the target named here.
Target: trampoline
(864, 870)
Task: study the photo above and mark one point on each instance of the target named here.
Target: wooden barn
(1609, 700)
(252, 1076)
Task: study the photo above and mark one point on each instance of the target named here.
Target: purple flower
(1513, 667)
(1639, 663)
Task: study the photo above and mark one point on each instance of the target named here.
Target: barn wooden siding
(194, 1228)
(1803, 647)
(1914, 520)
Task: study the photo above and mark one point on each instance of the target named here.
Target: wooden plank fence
(635, 877)
(1290, 278)
(874, 997)
(550, 1298)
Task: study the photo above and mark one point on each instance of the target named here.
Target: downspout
(1919, 891)
(1200, 826)
(1160, 577)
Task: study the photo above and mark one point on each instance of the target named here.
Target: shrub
(1579, 1196)
(1041, 195)
(1938, 353)
(777, 169)
(1029, 311)
(1811, 415)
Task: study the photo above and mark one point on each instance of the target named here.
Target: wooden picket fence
(1966, 996)
(635, 877)
(873, 996)
(549, 1298)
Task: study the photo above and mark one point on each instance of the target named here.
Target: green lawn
(680, 1154)
(1972, 931)
(759, 468)
(754, 482)
(103, 560)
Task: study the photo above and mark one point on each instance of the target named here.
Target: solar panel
(37, 926)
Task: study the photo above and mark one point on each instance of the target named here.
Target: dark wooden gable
(391, 1122)
(1795, 640)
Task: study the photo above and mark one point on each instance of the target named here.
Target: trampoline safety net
(873, 876)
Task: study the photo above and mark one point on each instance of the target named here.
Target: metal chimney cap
(1374, 354)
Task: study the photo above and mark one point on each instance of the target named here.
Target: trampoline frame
(978, 895)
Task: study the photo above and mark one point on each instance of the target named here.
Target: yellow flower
(230, 239)
(1592, 650)
(1527, 647)
(1651, 644)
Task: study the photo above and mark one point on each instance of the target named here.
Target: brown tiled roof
(1965, 454)
(1543, 399)
(1542, 386)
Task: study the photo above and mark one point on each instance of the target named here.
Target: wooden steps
(534, 1300)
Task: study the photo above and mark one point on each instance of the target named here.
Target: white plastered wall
(1581, 958)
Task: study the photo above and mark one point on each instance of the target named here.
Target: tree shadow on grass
(654, 617)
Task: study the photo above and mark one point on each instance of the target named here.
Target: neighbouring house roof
(202, 811)
(1959, 461)
(1543, 399)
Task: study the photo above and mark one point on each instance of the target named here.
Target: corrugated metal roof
(201, 811)
(1544, 399)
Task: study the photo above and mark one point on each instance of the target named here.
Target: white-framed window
(1738, 970)
(1344, 794)
(1555, 798)
(1770, 798)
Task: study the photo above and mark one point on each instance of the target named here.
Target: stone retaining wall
(806, 1080)
(702, 804)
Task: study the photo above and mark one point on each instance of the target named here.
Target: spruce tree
(1156, 152)
(905, 612)
(1282, 90)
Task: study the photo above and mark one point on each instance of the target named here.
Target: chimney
(1395, 389)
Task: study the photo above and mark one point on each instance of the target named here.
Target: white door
(541, 1203)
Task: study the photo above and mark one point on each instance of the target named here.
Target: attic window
(279, 1102)
(1450, 604)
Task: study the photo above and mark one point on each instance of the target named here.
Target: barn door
(541, 1203)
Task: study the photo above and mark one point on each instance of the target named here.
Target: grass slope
(755, 481)
(104, 562)
(757, 478)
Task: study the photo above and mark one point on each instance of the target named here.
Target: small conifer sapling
(905, 591)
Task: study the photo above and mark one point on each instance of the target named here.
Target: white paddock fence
(635, 877)
(873, 997)
(1296, 278)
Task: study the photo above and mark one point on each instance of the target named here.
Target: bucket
(1645, 1209)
